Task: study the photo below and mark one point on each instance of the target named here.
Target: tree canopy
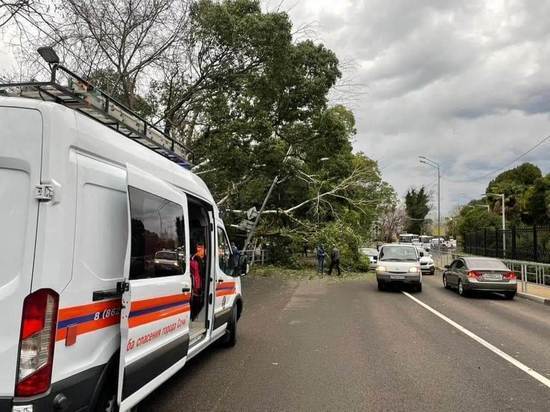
(229, 81)
(417, 207)
(527, 201)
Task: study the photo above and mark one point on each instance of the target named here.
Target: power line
(543, 140)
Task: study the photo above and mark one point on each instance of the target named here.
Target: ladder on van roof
(82, 96)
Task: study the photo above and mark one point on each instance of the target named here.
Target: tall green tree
(417, 207)
(515, 184)
(475, 216)
(229, 81)
(538, 201)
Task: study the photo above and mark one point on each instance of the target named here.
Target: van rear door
(154, 322)
(20, 163)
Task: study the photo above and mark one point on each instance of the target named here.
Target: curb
(534, 298)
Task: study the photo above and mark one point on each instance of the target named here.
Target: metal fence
(258, 256)
(517, 243)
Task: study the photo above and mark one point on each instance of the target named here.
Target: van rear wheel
(107, 402)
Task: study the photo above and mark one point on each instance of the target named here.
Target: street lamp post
(503, 215)
(435, 165)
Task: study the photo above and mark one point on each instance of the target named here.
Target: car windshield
(398, 254)
(493, 264)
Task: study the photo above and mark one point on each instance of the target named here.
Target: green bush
(345, 239)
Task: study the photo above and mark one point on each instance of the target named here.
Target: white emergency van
(115, 267)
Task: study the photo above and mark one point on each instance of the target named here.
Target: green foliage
(515, 184)
(527, 202)
(417, 206)
(475, 216)
(344, 237)
(538, 201)
(252, 103)
(279, 272)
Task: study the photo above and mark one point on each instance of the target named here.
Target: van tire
(510, 295)
(106, 401)
(230, 338)
(381, 286)
(418, 288)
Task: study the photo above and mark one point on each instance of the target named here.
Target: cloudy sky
(466, 83)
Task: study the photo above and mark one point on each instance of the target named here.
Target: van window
(225, 259)
(158, 236)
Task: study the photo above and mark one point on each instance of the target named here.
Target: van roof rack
(82, 96)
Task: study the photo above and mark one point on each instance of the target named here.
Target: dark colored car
(468, 274)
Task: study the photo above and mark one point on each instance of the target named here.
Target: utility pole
(252, 231)
(503, 216)
(435, 165)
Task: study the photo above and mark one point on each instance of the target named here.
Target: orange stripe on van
(225, 289)
(90, 326)
(225, 292)
(76, 311)
(164, 300)
(152, 317)
(224, 285)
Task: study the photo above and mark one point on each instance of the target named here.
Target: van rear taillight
(36, 344)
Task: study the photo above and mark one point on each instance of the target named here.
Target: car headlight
(414, 269)
(380, 268)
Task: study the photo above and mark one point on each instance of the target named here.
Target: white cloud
(465, 83)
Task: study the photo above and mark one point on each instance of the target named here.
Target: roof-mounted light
(48, 54)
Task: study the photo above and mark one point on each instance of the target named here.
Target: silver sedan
(468, 274)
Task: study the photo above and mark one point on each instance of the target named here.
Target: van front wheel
(230, 338)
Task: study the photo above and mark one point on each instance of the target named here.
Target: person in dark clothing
(334, 260)
(306, 246)
(235, 258)
(320, 258)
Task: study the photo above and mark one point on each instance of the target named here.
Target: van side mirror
(446, 266)
(421, 254)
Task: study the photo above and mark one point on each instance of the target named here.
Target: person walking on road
(320, 258)
(306, 246)
(334, 260)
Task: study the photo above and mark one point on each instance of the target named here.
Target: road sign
(246, 225)
(252, 213)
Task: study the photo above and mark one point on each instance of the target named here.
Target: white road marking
(534, 374)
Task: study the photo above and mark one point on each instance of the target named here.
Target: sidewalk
(535, 293)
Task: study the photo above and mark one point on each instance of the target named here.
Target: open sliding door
(156, 295)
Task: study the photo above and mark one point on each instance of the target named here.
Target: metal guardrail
(258, 256)
(530, 273)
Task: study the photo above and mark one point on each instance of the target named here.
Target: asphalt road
(322, 345)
